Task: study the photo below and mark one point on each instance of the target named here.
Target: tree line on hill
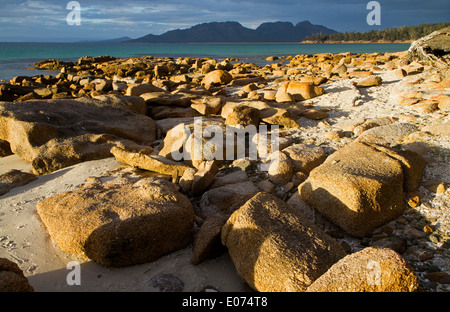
(404, 33)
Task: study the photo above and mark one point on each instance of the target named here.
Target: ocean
(17, 58)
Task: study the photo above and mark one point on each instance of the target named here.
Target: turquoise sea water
(15, 58)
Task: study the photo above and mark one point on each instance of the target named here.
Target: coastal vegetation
(400, 34)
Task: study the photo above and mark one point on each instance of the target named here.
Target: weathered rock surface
(53, 134)
(12, 278)
(14, 178)
(204, 176)
(244, 116)
(216, 77)
(387, 134)
(207, 241)
(5, 149)
(369, 270)
(153, 163)
(305, 157)
(194, 143)
(226, 199)
(275, 248)
(280, 170)
(371, 81)
(301, 90)
(359, 188)
(120, 223)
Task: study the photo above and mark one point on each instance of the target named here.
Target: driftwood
(432, 47)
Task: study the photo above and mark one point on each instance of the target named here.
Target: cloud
(135, 18)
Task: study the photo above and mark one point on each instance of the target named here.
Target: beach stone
(339, 69)
(305, 157)
(226, 199)
(278, 116)
(359, 126)
(444, 102)
(12, 278)
(413, 166)
(282, 96)
(301, 90)
(104, 85)
(166, 99)
(408, 101)
(164, 112)
(266, 186)
(387, 134)
(426, 107)
(179, 143)
(371, 81)
(137, 89)
(275, 248)
(207, 241)
(438, 277)
(216, 77)
(233, 177)
(153, 163)
(444, 84)
(119, 86)
(369, 270)
(43, 92)
(186, 180)
(395, 243)
(204, 177)
(400, 73)
(312, 79)
(438, 129)
(360, 73)
(54, 134)
(14, 178)
(122, 222)
(280, 170)
(270, 95)
(358, 188)
(208, 105)
(5, 149)
(242, 115)
(230, 105)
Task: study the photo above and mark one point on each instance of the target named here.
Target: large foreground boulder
(275, 248)
(360, 187)
(53, 134)
(369, 270)
(120, 223)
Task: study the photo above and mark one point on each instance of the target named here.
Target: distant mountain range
(235, 32)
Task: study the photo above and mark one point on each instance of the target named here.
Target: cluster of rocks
(319, 219)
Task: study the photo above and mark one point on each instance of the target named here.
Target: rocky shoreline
(357, 199)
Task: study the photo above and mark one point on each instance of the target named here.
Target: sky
(46, 20)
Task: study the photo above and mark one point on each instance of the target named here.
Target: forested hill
(401, 34)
